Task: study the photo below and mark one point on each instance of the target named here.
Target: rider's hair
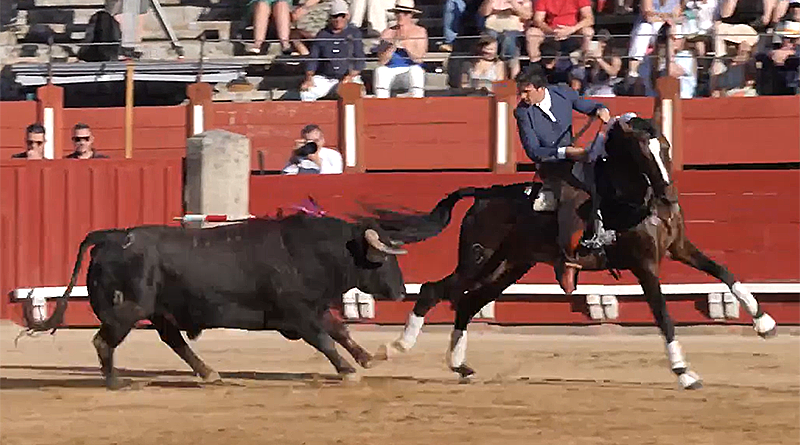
(533, 75)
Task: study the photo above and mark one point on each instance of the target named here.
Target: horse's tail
(57, 318)
(411, 228)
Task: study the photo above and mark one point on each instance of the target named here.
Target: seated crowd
(717, 47)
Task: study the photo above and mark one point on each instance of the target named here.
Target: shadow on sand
(89, 377)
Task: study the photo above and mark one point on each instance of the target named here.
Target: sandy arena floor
(531, 389)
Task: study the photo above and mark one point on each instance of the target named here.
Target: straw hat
(789, 29)
(405, 6)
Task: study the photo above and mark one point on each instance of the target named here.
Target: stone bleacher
(26, 33)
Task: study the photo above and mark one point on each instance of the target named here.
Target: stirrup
(600, 238)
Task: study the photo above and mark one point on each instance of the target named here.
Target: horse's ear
(625, 126)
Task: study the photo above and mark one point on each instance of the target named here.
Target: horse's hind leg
(470, 304)
(658, 305)
(687, 253)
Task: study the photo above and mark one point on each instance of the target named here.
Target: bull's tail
(57, 318)
(411, 228)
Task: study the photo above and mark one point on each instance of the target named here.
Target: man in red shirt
(560, 19)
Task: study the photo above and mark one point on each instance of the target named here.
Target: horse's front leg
(648, 278)
(686, 252)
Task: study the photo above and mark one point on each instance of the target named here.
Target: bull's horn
(374, 240)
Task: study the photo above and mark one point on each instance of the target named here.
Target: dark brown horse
(502, 237)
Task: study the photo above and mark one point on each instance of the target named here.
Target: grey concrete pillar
(217, 174)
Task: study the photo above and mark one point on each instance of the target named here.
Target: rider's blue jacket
(543, 138)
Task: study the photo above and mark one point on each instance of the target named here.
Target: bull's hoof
(464, 372)
(212, 378)
(350, 377)
(367, 361)
(115, 383)
(389, 350)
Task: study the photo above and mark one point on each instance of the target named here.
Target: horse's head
(638, 153)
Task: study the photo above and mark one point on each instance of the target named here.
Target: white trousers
(644, 33)
(322, 87)
(375, 11)
(385, 76)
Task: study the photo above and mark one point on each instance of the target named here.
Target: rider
(544, 120)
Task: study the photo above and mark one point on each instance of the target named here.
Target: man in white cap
(337, 55)
(401, 51)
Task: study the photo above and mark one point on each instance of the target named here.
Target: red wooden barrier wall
(159, 132)
(733, 130)
(14, 117)
(47, 208)
(273, 126)
(431, 133)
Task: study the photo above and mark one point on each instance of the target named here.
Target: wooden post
(502, 139)
(50, 113)
(129, 111)
(351, 123)
(199, 112)
(668, 114)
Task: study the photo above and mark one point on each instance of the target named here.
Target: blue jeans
(508, 48)
(453, 12)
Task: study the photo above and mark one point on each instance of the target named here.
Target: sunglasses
(80, 138)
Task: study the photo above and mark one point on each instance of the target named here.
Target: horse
(502, 237)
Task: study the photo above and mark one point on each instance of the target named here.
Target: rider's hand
(576, 153)
(604, 115)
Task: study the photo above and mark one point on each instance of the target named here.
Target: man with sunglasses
(34, 143)
(83, 141)
(337, 55)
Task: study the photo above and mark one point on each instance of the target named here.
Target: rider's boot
(570, 264)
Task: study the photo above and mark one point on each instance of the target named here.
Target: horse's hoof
(463, 371)
(212, 378)
(690, 380)
(765, 326)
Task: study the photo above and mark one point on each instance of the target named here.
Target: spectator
(376, 12)
(34, 143)
(451, 22)
(330, 160)
(115, 8)
(698, 24)
(308, 19)
(83, 141)
(505, 20)
(682, 66)
(602, 67)
(336, 57)
(652, 16)
(779, 67)
(261, 11)
(561, 19)
(487, 68)
(739, 22)
(401, 51)
(304, 160)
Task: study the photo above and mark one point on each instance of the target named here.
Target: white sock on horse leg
(457, 352)
(746, 298)
(411, 331)
(762, 324)
(675, 354)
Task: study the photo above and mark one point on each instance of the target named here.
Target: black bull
(501, 238)
(269, 274)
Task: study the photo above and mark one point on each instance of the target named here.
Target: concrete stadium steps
(66, 20)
